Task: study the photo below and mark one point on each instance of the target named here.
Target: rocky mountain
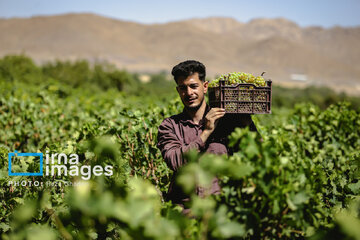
(325, 56)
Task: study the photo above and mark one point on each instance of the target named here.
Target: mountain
(326, 56)
(216, 24)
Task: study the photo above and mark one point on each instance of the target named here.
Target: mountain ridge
(328, 56)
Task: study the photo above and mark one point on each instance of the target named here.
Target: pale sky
(325, 13)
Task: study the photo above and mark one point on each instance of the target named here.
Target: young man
(194, 128)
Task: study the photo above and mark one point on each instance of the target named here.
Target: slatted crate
(243, 98)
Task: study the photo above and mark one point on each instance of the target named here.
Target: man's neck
(197, 115)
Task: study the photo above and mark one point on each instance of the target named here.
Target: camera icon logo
(16, 153)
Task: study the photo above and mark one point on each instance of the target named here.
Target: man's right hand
(211, 120)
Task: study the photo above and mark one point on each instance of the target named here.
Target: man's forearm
(205, 135)
(173, 152)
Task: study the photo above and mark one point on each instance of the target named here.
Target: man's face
(191, 91)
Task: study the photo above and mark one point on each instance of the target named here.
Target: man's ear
(206, 83)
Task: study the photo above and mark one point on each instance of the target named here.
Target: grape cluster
(239, 77)
(230, 107)
(258, 107)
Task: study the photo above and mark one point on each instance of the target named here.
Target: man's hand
(211, 120)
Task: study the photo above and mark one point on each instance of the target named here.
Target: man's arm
(211, 121)
(172, 148)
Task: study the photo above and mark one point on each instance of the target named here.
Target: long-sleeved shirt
(178, 134)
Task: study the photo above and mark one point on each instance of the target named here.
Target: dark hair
(188, 68)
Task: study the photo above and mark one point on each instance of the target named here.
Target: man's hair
(188, 68)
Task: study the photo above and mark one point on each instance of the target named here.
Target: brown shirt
(178, 134)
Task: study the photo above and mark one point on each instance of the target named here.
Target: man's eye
(182, 88)
(193, 86)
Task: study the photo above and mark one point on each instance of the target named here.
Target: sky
(325, 13)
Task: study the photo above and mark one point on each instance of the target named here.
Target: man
(194, 128)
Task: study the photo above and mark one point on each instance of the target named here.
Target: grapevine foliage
(298, 178)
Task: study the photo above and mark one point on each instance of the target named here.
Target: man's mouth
(190, 100)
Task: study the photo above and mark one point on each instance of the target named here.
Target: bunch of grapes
(239, 77)
(230, 107)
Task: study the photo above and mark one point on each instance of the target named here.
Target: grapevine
(299, 179)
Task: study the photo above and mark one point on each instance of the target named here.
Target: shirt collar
(185, 118)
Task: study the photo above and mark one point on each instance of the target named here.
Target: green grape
(242, 77)
(260, 81)
(251, 78)
(233, 78)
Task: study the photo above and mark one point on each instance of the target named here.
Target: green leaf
(300, 198)
(36, 232)
(231, 229)
(355, 187)
(5, 227)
